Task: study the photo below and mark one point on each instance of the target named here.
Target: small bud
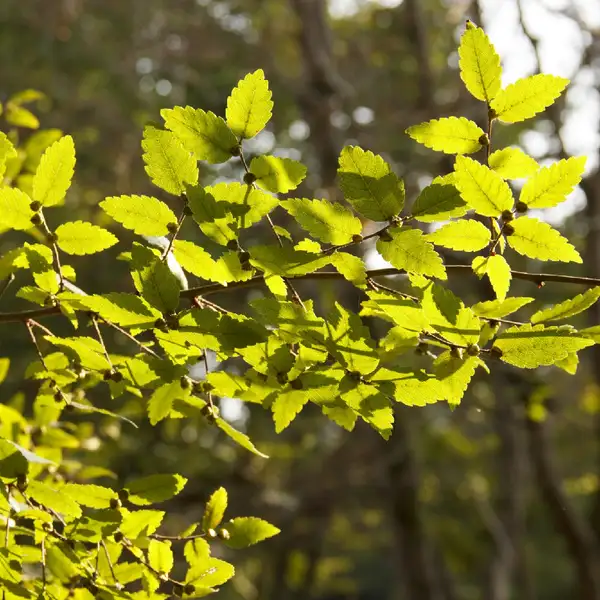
(117, 376)
(296, 384)
(473, 350)
(521, 207)
(508, 229)
(189, 589)
(249, 178)
(493, 323)
(172, 227)
(118, 537)
(235, 151)
(233, 245)
(185, 382)
(115, 503)
(354, 375)
(357, 238)
(224, 534)
(484, 140)
(507, 216)
(123, 495)
(58, 396)
(492, 114)
(22, 482)
(35, 206)
(36, 219)
(107, 375)
(187, 210)
(52, 238)
(160, 324)
(282, 378)
(49, 300)
(211, 533)
(456, 352)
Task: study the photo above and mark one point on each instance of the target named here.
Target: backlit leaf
(569, 308)
(246, 531)
(249, 106)
(215, 509)
(53, 175)
(466, 234)
(80, 237)
(512, 163)
(14, 209)
(144, 215)
(155, 488)
(451, 135)
(277, 175)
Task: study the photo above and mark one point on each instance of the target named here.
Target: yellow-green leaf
(527, 97)
(496, 309)
(466, 234)
(498, 272)
(79, 237)
(215, 509)
(452, 135)
(569, 308)
(53, 175)
(479, 64)
(277, 175)
(144, 215)
(438, 202)
(249, 106)
(481, 188)
(160, 556)
(512, 163)
(536, 239)
(246, 531)
(14, 209)
(551, 185)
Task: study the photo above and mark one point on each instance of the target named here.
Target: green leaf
(143, 215)
(369, 184)
(371, 405)
(53, 499)
(21, 117)
(527, 97)
(481, 188)
(93, 496)
(438, 202)
(215, 509)
(454, 374)
(209, 573)
(160, 556)
(286, 407)
(551, 185)
(215, 219)
(162, 399)
(451, 135)
(7, 152)
(12, 462)
(80, 237)
(466, 234)
(53, 175)
(4, 365)
(169, 165)
(569, 308)
(201, 132)
(239, 438)
(327, 221)
(512, 163)
(403, 312)
(249, 106)
(277, 175)
(351, 267)
(531, 346)
(479, 64)
(496, 309)
(498, 272)
(14, 209)
(536, 239)
(140, 522)
(197, 261)
(410, 251)
(247, 531)
(285, 261)
(89, 351)
(155, 488)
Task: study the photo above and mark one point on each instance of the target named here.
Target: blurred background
(496, 500)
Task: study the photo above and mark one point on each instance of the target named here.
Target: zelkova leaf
(143, 215)
(527, 97)
(215, 509)
(169, 165)
(498, 272)
(496, 309)
(466, 234)
(551, 185)
(277, 175)
(160, 556)
(451, 135)
(328, 221)
(162, 400)
(246, 531)
(201, 132)
(286, 261)
(249, 105)
(408, 249)
(369, 184)
(155, 488)
(512, 163)
(536, 239)
(437, 202)
(568, 308)
(239, 438)
(531, 346)
(481, 188)
(286, 407)
(51, 498)
(15, 212)
(53, 175)
(79, 237)
(479, 64)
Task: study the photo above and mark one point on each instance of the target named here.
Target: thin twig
(173, 236)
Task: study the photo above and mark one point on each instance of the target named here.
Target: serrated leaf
(410, 251)
(286, 407)
(454, 374)
(140, 522)
(369, 184)
(371, 405)
(277, 175)
(479, 64)
(12, 462)
(536, 239)
(498, 272)
(197, 261)
(209, 573)
(285, 261)
(239, 438)
(249, 105)
(451, 135)
(53, 175)
(80, 237)
(481, 188)
(551, 185)
(512, 163)
(569, 308)
(160, 556)
(527, 97)
(89, 351)
(328, 221)
(247, 531)
(403, 312)
(88, 494)
(169, 165)
(162, 400)
(351, 267)
(496, 309)
(14, 209)
(531, 346)
(466, 234)
(216, 219)
(53, 499)
(438, 202)
(215, 509)
(155, 488)
(143, 215)
(201, 132)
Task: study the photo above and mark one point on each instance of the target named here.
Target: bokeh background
(496, 500)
